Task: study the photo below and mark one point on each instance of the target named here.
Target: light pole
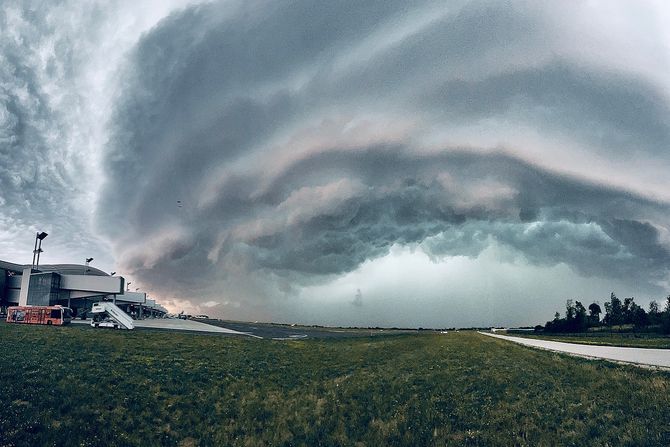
(38, 249)
(128, 286)
(88, 261)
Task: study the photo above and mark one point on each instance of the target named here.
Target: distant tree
(575, 319)
(555, 325)
(608, 314)
(627, 310)
(654, 314)
(570, 311)
(594, 313)
(578, 318)
(638, 316)
(580, 322)
(613, 311)
(665, 317)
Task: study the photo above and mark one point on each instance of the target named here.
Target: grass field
(79, 386)
(641, 340)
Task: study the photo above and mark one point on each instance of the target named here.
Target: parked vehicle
(105, 323)
(49, 315)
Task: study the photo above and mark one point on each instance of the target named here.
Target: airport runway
(288, 332)
(638, 356)
(256, 330)
(176, 325)
(184, 325)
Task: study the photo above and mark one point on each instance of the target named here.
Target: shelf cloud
(254, 153)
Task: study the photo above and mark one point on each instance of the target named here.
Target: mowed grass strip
(79, 386)
(631, 340)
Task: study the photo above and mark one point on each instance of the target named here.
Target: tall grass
(78, 386)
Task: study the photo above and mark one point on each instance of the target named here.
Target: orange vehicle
(49, 315)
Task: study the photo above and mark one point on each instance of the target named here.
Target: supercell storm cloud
(285, 160)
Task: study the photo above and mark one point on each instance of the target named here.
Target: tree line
(627, 312)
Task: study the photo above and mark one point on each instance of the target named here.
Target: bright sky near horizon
(383, 163)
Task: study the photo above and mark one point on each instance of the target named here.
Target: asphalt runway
(175, 325)
(287, 332)
(256, 330)
(183, 325)
(637, 356)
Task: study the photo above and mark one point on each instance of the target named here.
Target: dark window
(56, 313)
(44, 289)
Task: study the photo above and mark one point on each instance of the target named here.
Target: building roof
(18, 268)
(63, 269)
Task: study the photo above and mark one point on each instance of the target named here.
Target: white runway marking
(184, 325)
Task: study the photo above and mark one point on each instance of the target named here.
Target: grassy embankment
(79, 386)
(628, 339)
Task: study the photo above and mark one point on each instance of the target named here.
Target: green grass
(79, 386)
(639, 340)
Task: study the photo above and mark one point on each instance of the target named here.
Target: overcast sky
(383, 163)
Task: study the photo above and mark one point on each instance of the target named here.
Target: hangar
(72, 285)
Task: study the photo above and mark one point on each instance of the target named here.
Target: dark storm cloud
(576, 222)
(192, 81)
(248, 139)
(609, 111)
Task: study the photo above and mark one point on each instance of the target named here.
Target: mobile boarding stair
(112, 311)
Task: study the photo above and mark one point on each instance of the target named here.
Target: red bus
(56, 315)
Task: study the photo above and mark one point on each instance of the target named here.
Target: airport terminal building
(72, 285)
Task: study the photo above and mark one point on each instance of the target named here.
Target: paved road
(640, 356)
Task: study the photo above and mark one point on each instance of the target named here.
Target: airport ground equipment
(106, 322)
(105, 308)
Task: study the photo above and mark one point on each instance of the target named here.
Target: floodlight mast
(32, 264)
(39, 236)
(88, 261)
